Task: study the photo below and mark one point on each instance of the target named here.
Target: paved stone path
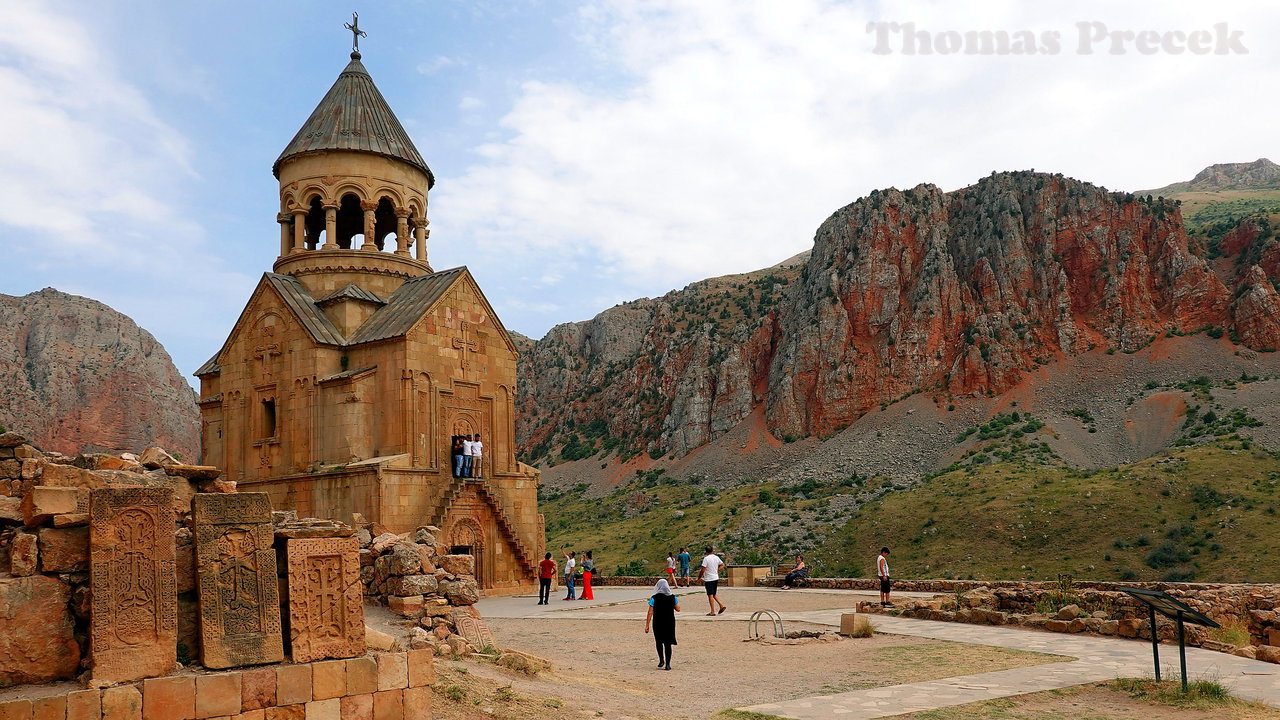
(1097, 658)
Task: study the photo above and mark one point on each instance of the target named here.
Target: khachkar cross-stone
(133, 623)
(236, 572)
(356, 33)
(326, 598)
(465, 344)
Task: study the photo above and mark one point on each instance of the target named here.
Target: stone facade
(354, 363)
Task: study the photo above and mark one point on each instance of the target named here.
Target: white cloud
(95, 182)
(746, 123)
(438, 63)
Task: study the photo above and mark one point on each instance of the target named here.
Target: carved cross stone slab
(133, 624)
(236, 571)
(474, 629)
(326, 610)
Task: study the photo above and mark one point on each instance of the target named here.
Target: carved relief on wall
(266, 346)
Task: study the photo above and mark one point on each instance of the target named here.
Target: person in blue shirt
(663, 606)
(684, 558)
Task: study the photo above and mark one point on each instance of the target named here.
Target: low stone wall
(635, 581)
(387, 686)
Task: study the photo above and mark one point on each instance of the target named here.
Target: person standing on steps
(882, 571)
(546, 571)
(709, 573)
(466, 456)
(457, 456)
(570, 562)
(684, 558)
(663, 606)
(477, 455)
(588, 569)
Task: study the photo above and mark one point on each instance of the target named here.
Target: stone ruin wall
(193, 579)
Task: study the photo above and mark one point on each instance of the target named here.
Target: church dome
(354, 116)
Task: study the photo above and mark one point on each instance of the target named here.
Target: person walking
(709, 573)
(798, 572)
(882, 571)
(546, 571)
(570, 562)
(466, 456)
(477, 455)
(671, 568)
(663, 606)
(588, 569)
(684, 558)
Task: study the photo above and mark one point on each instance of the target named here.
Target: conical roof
(354, 116)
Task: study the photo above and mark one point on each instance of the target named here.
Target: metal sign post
(1176, 610)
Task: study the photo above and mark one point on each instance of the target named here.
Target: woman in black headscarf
(663, 607)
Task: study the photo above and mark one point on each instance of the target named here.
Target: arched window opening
(412, 240)
(384, 222)
(350, 221)
(315, 223)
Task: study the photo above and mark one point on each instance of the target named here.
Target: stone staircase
(524, 556)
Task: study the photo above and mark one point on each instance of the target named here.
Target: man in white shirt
(467, 452)
(882, 572)
(570, 562)
(477, 452)
(710, 575)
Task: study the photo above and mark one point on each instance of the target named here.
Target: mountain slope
(945, 298)
(81, 377)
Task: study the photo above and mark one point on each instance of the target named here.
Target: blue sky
(585, 153)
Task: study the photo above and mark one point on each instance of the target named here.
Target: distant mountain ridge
(1259, 174)
(80, 376)
(952, 296)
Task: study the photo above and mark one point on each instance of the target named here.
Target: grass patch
(734, 714)
(1201, 694)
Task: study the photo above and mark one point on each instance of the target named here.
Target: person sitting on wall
(800, 571)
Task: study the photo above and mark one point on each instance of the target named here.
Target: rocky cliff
(79, 376)
(1261, 173)
(951, 295)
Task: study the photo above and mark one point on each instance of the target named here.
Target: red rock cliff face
(79, 376)
(905, 291)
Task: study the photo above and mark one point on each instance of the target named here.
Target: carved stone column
(299, 229)
(402, 232)
(420, 239)
(370, 223)
(330, 227)
(286, 239)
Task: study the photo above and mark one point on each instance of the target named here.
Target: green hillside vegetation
(1205, 513)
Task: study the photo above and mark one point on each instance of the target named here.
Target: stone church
(354, 362)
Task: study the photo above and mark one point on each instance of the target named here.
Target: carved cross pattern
(325, 576)
(465, 344)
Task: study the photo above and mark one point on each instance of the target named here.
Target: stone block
(1273, 636)
(169, 698)
(417, 703)
(236, 570)
(11, 509)
(122, 702)
(70, 520)
(44, 502)
(362, 676)
(64, 549)
(472, 628)
(393, 671)
(1128, 628)
(852, 624)
(24, 555)
(53, 707)
(328, 679)
(155, 458)
(218, 695)
(457, 564)
(10, 469)
(357, 707)
(195, 472)
(84, 705)
(1268, 653)
(324, 709)
(11, 439)
(134, 621)
(251, 715)
(38, 644)
(293, 684)
(409, 585)
(378, 640)
(422, 667)
(257, 689)
(326, 601)
(286, 712)
(69, 476)
(388, 705)
(410, 606)
(15, 709)
(463, 591)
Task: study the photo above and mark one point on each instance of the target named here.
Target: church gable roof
(351, 291)
(297, 299)
(353, 115)
(406, 306)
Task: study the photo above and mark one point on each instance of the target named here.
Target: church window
(268, 418)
